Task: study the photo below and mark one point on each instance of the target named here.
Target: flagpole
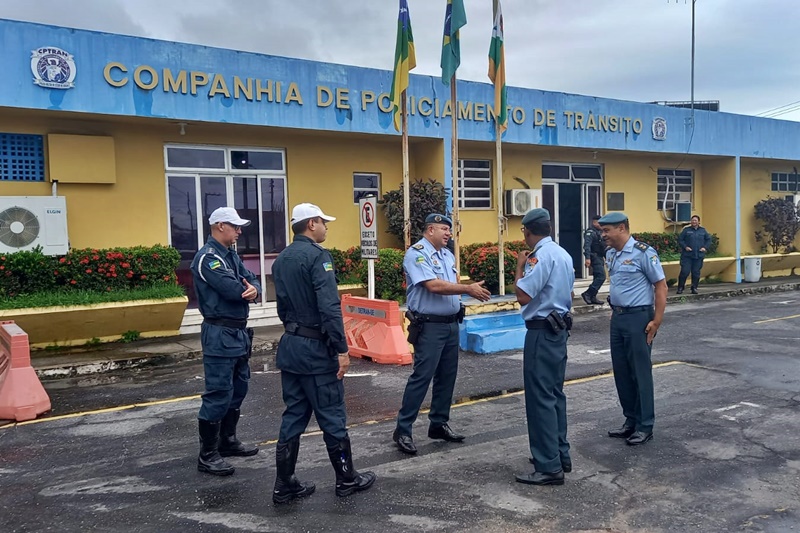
(454, 165)
(500, 219)
(406, 184)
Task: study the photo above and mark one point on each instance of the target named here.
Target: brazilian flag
(454, 19)
(404, 60)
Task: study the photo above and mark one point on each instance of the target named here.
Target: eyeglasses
(234, 226)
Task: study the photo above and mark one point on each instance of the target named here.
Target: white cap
(306, 211)
(229, 215)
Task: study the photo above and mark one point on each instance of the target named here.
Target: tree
(781, 221)
(426, 197)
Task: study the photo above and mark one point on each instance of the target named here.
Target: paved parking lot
(725, 457)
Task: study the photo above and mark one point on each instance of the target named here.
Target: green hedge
(390, 282)
(666, 244)
(90, 269)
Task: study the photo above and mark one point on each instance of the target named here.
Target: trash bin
(752, 269)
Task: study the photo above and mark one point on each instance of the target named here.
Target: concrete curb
(266, 347)
(76, 369)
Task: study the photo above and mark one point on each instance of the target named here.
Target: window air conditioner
(30, 221)
(682, 212)
(520, 201)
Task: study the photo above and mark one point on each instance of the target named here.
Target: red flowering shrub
(482, 265)
(88, 269)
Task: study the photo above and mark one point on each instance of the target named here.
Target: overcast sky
(748, 51)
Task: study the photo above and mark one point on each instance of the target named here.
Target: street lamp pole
(692, 102)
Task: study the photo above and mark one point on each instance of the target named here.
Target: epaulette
(641, 246)
(418, 247)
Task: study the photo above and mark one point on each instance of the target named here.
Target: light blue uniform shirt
(423, 263)
(548, 279)
(633, 272)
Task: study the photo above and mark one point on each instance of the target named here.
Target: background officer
(694, 241)
(637, 283)
(225, 290)
(543, 285)
(312, 356)
(594, 251)
(433, 291)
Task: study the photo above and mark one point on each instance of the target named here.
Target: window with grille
(785, 182)
(474, 184)
(675, 186)
(21, 157)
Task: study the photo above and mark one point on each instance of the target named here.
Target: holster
(414, 327)
(250, 334)
(462, 312)
(556, 322)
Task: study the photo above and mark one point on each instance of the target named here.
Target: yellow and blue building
(145, 138)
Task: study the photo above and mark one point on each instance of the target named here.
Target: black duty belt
(439, 319)
(636, 309)
(537, 323)
(304, 331)
(236, 323)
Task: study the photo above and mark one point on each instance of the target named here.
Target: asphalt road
(725, 457)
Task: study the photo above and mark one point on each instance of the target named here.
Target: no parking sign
(367, 208)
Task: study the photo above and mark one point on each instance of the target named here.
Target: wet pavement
(725, 457)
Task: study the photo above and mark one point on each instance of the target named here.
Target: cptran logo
(53, 68)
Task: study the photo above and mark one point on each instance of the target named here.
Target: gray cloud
(628, 49)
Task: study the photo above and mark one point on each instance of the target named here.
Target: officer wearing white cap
(312, 357)
(543, 286)
(225, 289)
(638, 299)
(432, 292)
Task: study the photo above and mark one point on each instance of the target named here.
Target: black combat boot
(209, 460)
(348, 480)
(229, 445)
(287, 486)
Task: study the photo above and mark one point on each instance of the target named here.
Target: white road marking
(596, 352)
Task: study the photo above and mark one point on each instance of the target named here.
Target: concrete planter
(774, 265)
(712, 266)
(69, 326)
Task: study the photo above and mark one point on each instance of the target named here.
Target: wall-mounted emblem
(660, 129)
(53, 68)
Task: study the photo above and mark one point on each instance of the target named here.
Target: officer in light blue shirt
(638, 299)
(432, 291)
(543, 282)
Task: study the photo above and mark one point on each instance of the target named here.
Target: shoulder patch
(214, 264)
(641, 246)
(328, 266)
(420, 259)
(418, 247)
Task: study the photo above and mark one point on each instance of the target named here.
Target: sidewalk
(78, 361)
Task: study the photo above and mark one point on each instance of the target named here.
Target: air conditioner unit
(30, 221)
(682, 212)
(520, 201)
(794, 198)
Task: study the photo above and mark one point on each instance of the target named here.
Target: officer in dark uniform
(225, 290)
(594, 252)
(638, 299)
(543, 285)
(433, 291)
(312, 356)
(694, 241)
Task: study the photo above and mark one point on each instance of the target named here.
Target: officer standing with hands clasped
(434, 311)
(594, 251)
(312, 357)
(638, 299)
(694, 241)
(543, 286)
(225, 290)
